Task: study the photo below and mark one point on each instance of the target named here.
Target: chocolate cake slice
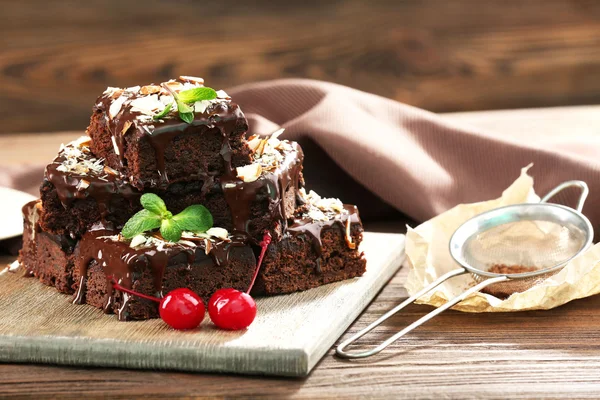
(129, 131)
(150, 265)
(319, 247)
(147, 264)
(44, 255)
(79, 190)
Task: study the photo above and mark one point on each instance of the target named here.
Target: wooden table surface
(519, 355)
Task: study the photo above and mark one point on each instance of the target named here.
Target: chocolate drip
(223, 116)
(314, 229)
(101, 187)
(122, 262)
(241, 195)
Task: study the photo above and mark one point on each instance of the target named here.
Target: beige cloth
(403, 157)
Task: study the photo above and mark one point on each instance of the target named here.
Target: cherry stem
(264, 244)
(131, 292)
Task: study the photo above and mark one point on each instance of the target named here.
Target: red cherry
(231, 309)
(182, 309)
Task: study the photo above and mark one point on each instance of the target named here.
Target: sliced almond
(110, 171)
(83, 141)
(174, 85)
(193, 79)
(113, 92)
(157, 235)
(147, 104)
(83, 184)
(133, 89)
(115, 146)
(254, 142)
(150, 89)
(137, 240)
(126, 126)
(284, 145)
(217, 232)
(261, 147)
(249, 173)
(277, 133)
(116, 94)
(222, 95)
(207, 246)
(116, 105)
(349, 242)
(201, 106)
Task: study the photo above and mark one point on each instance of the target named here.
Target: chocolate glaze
(124, 263)
(223, 116)
(101, 187)
(241, 195)
(313, 229)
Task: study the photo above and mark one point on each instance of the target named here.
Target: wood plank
(439, 55)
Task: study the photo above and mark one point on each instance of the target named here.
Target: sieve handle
(340, 349)
(580, 184)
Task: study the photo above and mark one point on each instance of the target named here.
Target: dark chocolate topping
(314, 229)
(220, 114)
(241, 195)
(83, 183)
(124, 263)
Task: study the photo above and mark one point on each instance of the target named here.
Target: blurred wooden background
(56, 57)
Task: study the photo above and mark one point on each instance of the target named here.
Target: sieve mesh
(520, 247)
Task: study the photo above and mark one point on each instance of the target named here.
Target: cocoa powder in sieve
(510, 269)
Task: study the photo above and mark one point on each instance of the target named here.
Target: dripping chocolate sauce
(314, 229)
(124, 263)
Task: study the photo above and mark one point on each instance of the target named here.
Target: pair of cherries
(228, 308)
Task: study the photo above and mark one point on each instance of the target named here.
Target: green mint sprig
(155, 215)
(183, 100)
(164, 112)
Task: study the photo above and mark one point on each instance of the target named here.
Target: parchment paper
(429, 258)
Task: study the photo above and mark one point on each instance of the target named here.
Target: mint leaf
(186, 113)
(164, 112)
(141, 222)
(184, 108)
(154, 204)
(169, 230)
(197, 94)
(187, 117)
(155, 215)
(195, 218)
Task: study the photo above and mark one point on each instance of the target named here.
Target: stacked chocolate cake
(148, 140)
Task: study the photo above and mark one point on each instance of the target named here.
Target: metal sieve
(496, 247)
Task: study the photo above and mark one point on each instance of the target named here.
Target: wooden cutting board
(289, 336)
